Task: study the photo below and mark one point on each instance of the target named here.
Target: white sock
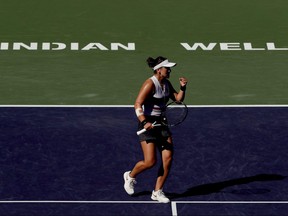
(129, 177)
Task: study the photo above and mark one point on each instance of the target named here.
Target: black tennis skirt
(157, 133)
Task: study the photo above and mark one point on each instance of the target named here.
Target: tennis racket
(173, 114)
(143, 130)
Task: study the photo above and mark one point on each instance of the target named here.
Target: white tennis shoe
(159, 196)
(129, 183)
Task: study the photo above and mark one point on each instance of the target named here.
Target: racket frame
(167, 120)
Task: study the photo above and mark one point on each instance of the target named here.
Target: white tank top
(154, 106)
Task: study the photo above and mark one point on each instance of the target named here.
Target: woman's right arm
(145, 92)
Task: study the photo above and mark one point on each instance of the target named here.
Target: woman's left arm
(180, 96)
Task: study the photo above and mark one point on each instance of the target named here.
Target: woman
(151, 100)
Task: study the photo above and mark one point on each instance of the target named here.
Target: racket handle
(141, 131)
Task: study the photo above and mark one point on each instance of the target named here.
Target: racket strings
(174, 114)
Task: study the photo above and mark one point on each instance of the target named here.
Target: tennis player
(151, 100)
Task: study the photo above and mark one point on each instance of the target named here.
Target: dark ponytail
(153, 62)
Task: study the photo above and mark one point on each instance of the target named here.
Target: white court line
(174, 203)
(130, 106)
(174, 208)
(142, 202)
(232, 202)
(70, 106)
(76, 202)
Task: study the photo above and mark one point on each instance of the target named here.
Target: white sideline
(173, 203)
(128, 106)
(142, 202)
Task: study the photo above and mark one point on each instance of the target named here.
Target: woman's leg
(167, 156)
(149, 152)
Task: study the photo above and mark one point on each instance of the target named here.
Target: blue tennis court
(69, 160)
(70, 72)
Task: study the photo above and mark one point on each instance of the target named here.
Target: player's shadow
(219, 186)
(206, 189)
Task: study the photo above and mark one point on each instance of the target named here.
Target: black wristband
(183, 88)
(143, 123)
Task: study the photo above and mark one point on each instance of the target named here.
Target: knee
(149, 163)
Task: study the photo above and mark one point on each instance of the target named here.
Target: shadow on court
(219, 186)
(207, 189)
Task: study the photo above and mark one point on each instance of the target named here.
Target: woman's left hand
(183, 81)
